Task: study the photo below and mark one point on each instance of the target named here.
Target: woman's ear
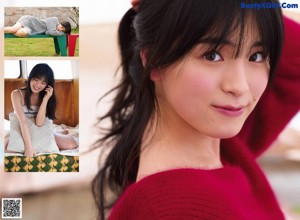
(144, 56)
(155, 72)
(155, 75)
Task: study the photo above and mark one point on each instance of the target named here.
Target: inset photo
(41, 111)
(41, 31)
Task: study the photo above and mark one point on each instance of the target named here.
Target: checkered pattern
(42, 163)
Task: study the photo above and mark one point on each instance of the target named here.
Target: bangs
(214, 22)
(40, 76)
(258, 25)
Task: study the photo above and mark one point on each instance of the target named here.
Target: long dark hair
(167, 31)
(42, 71)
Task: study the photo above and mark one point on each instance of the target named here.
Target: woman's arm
(54, 33)
(16, 100)
(41, 115)
(52, 27)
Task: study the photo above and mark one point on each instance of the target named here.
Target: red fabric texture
(189, 194)
(240, 189)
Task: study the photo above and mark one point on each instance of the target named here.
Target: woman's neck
(34, 99)
(173, 144)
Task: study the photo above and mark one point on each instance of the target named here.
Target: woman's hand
(135, 4)
(49, 92)
(29, 152)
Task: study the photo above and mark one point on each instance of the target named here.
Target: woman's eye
(213, 56)
(257, 57)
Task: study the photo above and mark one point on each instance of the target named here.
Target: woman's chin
(226, 133)
(35, 91)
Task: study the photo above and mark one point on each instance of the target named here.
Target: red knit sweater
(239, 190)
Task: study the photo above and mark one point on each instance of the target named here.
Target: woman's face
(61, 28)
(37, 85)
(212, 92)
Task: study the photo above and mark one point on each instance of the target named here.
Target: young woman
(30, 25)
(38, 100)
(199, 100)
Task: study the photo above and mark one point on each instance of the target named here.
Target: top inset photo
(41, 31)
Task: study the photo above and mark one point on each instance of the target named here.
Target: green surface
(297, 211)
(33, 46)
(30, 36)
(75, 31)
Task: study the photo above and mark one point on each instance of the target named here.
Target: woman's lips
(36, 89)
(230, 111)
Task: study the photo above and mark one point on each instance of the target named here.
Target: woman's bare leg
(13, 29)
(65, 142)
(21, 33)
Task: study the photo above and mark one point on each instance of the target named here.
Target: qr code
(11, 208)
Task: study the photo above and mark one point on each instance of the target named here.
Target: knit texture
(239, 190)
(225, 194)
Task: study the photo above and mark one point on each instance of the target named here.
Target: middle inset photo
(41, 115)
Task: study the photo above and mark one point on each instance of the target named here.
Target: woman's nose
(235, 79)
(39, 84)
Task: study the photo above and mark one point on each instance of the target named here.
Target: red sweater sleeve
(281, 100)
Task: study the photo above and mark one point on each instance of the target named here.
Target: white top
(30, 113)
